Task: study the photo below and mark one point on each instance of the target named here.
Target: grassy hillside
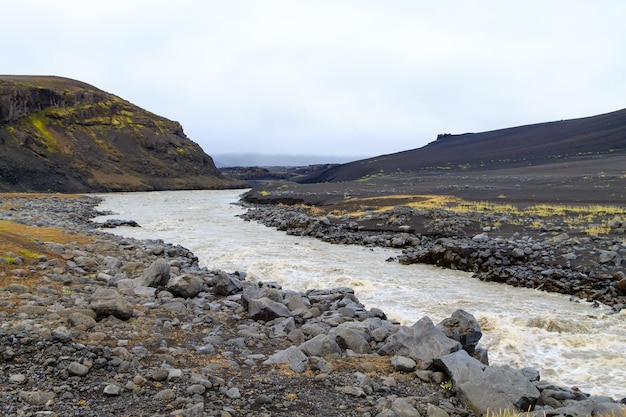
(62, 135)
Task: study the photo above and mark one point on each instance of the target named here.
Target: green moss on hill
(62, 135)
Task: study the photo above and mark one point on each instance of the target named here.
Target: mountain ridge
(518, 146)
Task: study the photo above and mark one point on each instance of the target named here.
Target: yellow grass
(592, 219)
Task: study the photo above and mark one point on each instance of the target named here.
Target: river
(571, 343)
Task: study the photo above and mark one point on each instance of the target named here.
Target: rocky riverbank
(100, 325)
(555, 257)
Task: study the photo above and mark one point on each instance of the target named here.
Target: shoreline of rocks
(591, 268)
(121, 326)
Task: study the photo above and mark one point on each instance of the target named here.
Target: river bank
(97, 324)
(574, 250)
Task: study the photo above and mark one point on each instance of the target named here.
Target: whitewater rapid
(571, 343)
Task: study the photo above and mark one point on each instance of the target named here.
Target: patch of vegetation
(447, 385)
(590, 219)
(39, 122)
(29, 254)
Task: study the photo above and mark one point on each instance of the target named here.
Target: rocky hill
(62, 135)
(586, 138)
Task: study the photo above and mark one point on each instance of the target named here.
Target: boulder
(266, 309)
(499, 388)
(293, 356)
(186, 286)
(81, 321)
(283, 328)
(127, 286)
(403, 364)
(350, 338)
(156, 274)
(322, 346)
(225, 285)
(460, 367)
(462, 327)
(107, 301)
(421, 342)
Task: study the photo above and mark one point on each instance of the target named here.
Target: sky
(351, 78)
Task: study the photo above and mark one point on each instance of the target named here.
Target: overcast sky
(331, 77)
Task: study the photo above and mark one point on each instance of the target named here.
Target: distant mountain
(62, 135)
(543, 143)
(278, 160)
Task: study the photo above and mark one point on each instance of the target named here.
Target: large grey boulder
(498, 388)
(107, 301)
(266, 309)
(460, 366)
(155, 275)
(250, 292)
(462, 327)
(322, 346)
(186, 286)
(225, 284)
(421, 342)
(293, 356)
(351, 338)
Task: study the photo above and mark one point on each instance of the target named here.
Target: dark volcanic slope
(58, 134)
(506, 148)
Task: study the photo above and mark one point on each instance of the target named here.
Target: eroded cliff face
(63, 135)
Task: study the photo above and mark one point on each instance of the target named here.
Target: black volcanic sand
(582, 182)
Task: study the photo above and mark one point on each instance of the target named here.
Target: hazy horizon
(247, 159)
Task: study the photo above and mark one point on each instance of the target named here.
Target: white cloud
(344, 77)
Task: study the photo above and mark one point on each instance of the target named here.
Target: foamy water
(572, 344)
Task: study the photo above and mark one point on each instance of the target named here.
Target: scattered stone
(62, 334)
(37, 397)
(107, 301)
(293, 356)
(186, 286)
(78, 369)
(165, 395)
(82, 321)
(112, 390)
(233, 393)
(403, 364)
(17, 378)
(155, 275)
